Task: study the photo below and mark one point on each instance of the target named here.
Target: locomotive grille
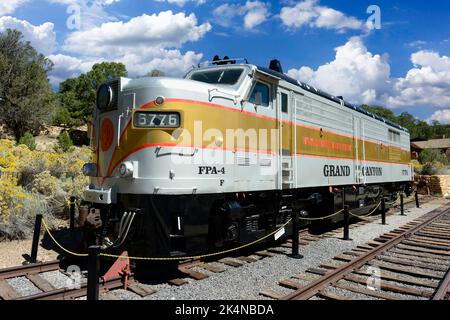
(251, 224)
(115, 87)
(243, 161)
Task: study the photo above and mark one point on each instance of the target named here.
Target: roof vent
(275, 65)
(226, 60)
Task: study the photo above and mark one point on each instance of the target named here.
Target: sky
(381, 52)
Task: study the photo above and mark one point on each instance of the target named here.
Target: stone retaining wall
(433, 185)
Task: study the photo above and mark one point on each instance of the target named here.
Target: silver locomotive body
(184, 166)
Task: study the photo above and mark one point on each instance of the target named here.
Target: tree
(64, 142)
(440, 130)
(418, 129)
(26, 98)
(28, 140)
(432, 155)
(155, 73)
(78, 95)
(382, 112)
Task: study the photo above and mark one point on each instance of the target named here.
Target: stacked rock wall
(433, 185)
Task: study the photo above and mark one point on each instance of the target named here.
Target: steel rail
(332, 277)
(70, 294)
(443, 288)
(35, 268)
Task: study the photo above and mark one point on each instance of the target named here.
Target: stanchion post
(346, 223)
(72, 213)
(93, 272)
(416, 195)
(36, 235)
(383, 211)
(402, 207)
(295, 246)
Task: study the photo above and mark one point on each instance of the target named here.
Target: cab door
(358, 150)
(285, 112)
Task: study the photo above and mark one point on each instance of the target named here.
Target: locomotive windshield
(227, 76)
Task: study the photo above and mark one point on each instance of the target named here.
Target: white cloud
(426, 84)
(310, 13)
(417, 44)
(85, 2)
(42, 37)
(9, 6)
(172, 62)
(355, 73)
(181, 3)
(257, 13)
(91, 12)
(363, 77)
(225, 13)
(68, 67)
(254, 13)
(443, 116)
(165, 30)
(142, 44)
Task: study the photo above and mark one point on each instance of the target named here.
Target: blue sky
(403, 65)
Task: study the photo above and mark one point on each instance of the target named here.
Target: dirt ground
(11, 253)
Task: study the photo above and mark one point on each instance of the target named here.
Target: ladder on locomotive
(288, 173)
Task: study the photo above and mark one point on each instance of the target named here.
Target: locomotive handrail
(211, 97)
(119, 125)
(223, 61)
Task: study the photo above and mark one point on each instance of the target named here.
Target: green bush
(64, 142)
(417, 166)
(28, 140)
(62, 117)
(432, 155)
(434, 168)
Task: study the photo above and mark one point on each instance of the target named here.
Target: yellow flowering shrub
(417, 166)
(34, 182)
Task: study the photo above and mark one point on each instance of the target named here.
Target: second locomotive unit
(219, 158)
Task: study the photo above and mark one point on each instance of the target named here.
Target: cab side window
(284, 102)
(264, 91)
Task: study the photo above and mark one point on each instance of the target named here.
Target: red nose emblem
(107, 134)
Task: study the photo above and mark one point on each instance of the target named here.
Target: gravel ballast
(247, 281)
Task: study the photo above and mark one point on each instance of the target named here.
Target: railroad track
(190, 270)
(195, 270)
(45, 289)
(410, 262)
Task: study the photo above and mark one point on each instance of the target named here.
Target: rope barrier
(366, 216)
(166, 258)
(322, 218)
(198, 256)
(59, 245)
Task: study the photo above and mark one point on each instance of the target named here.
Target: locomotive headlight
(159, 100)
(90, 170)
(104, 97)
(126, 169)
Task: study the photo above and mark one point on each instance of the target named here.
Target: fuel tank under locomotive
(170, 226)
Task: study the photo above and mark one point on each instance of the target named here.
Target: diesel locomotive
(220, 157)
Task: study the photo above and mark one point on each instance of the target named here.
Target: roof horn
(275, 65)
